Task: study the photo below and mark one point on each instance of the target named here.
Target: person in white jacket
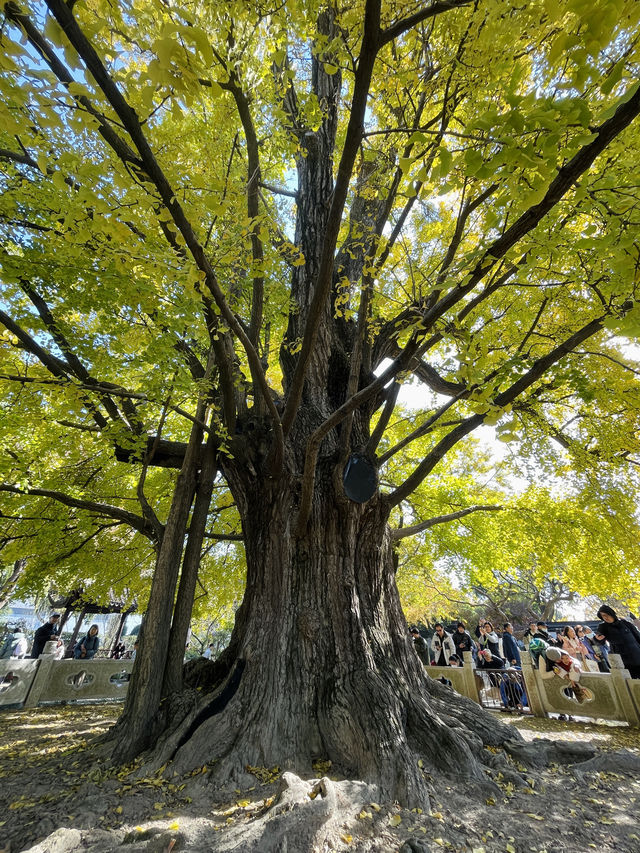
(442, 646)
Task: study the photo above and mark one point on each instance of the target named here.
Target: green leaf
(164, 49)
(614, 76)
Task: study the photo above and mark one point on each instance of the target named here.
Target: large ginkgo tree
(230, 233)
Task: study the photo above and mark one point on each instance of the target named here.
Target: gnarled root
(305, 816)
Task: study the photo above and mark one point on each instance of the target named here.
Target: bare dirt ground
(56, 798)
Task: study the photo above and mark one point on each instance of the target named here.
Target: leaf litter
(53, 781)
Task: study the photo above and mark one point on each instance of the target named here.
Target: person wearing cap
(420, 645)
(623, 637)
(561, 663)
(542, 633)
(49, 631)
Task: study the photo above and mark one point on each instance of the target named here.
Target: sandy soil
(51, 787)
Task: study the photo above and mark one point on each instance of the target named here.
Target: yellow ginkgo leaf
(395, 820)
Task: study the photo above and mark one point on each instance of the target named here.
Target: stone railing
(31, 682)
(462, 678)
(28, 683)
(616, 696)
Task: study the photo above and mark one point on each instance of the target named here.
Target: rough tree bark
(140, 721)
(189, 573)
(325, 663)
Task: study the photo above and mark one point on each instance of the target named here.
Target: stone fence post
(470, 683)
(40, 681)
(534, 694)
(620, 679)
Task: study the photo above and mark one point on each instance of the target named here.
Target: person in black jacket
(489, 661)
(421, 647)
(623, 636)
(542, 633)
(462, 640)
(509, 646)
(46, 632)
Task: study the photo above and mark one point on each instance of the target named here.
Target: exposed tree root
(305, 816)
(385, 734)
(541, 752)
(622, 761)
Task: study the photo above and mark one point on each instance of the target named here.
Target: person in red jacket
(563, 665)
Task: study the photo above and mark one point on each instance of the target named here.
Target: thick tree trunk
(189, 573)
(328, 668)
(138, 725)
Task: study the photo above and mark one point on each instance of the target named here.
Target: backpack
(536, 644)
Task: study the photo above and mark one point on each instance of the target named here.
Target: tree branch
(353, 137)
(278, 190)
(103, 387)
(401, 532)
(315, 440)
(253, 198)
(383, 420)
(131, 123)
(15, 14)
(421, 430)
(539, 367)
(136, 521)
(564, 180)
(397, 29)
(75, 365)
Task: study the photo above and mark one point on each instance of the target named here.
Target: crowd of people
(567, 654)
